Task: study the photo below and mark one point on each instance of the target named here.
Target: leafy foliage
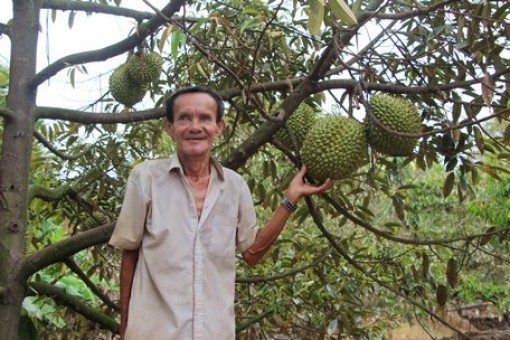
(390, 241)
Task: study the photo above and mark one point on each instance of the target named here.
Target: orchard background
(403, 237)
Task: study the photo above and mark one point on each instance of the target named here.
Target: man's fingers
(302, 171)
(326, 185)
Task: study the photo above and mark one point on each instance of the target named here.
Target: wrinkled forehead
(195, 101)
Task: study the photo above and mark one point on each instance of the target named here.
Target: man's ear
(221, 126)
(168, 127)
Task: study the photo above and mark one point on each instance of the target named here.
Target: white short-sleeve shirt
(183, 286)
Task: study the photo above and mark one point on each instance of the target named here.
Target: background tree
(370, 249)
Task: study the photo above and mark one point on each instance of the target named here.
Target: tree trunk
(15, 162)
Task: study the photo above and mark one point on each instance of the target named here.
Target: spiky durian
(144, 68)
(335, 148)
(300, 122)
(396, 114)
(123, 89)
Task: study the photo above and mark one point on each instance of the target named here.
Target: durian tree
(364, 250)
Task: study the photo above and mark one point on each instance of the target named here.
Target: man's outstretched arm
(270, 232)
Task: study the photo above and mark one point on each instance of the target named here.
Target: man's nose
(195, 124)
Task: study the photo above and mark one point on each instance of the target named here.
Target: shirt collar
(176, 164)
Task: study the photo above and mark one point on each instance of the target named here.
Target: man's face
(194, 128)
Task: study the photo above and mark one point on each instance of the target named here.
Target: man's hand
(298, 188)
(268, 234)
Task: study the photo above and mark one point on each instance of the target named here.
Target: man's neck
(195, 169)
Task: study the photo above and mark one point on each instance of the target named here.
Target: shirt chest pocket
(220, 236)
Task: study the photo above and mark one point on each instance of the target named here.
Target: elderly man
(180, 224)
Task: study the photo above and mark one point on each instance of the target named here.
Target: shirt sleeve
(130, 225)
(247, 219)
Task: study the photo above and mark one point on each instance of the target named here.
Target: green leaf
(178, 38)
(250, 23)
(72, 75)
(448, 185)
(478, 138)
(342, 12)
(164, 36)
(316, 16)
(451, 272)
(486, 238)
(425, 265)
(506, 134)
(488, 170)
(398, 204)
(70, 19)
(441, 294)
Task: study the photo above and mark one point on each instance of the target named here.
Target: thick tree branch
(93, 7)
(62, 297)
(37, 191)
(77, 116)
(143, 31)
(59, 251)
(5, 30)
(421, 10)
(6, 113)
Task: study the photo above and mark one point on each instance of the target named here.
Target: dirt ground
(478, 322)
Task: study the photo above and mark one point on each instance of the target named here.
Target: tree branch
(77, 270)
(5, 30)
(259, 279)
(256, 319)
(58, 153)
(59, 251)
(388, 236)
(37, 191)
(421, 10)
(336, 44)
(143, 31)
(6, 113)
(62, 297)
(93, 7)
(98, 118)
(44, 112)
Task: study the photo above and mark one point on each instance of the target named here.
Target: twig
(59, 153)
(77, 270)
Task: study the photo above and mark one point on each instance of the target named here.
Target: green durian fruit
(144, 68)
(397, 114)
(123, 90)
(335, 148)
(300, 122)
